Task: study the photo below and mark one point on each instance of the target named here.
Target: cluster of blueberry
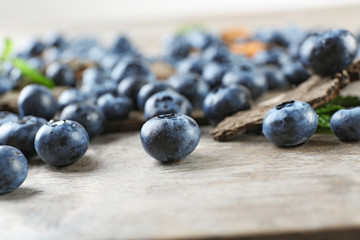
(208, 76)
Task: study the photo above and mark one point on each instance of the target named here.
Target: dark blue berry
(253, 79)
(7, 117)
(62, 75)
(192, 64)
(21, 133)
(225, 101)
(114, 107)
(38, 101)
(167, 101)
(88, 115)
(130, 67)
(6, 84)
(202, 40)
(61, 142)
(290, 123)
(274, 56)
(148, 90)
(176, 48)
(33, 47)
(122, 45)
(171, 137)
(13, 169)
(71, 95)
(190, 86)
(55, 39)
(295, 72)
(274, 77)
(345, 124)
(329, 52)
(213, 74)
(220, 55)
(130, 87)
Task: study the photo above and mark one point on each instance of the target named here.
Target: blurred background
(146, 21)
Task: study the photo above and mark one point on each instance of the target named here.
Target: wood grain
(245, 188)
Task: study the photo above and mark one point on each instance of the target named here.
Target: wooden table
(247, 188)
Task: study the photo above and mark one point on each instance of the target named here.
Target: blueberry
(62, 75)
(33, 47)
(329, 52)
(130, 67)
(15, 76)
(88, 115)
(190, 86)
(93, 76)
(202, 40)
(274, 56)
(6, 84)
(191, 64)
(219, 55)
(148, 90)
(80, 47)
(13, 169)
(7, 117)
(130, 87)
(114, 108)
(51, 55)
(55, 39)
(274, 77)
(171, 137)
(109, 61)
(253, 79)
(213, 73)
(345, 124)
(71, 95)
(290, 123)
(176, 48)
(274, 36)
(295, 72)
(167, 101)
(98, 89)
(61, 142)
(122, 45)
(225, 101)
(21, 133)
(37, 63)
(38, 101)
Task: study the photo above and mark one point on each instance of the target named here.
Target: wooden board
(246, 189)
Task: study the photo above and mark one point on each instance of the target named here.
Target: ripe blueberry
(290, 123)
(13, 168)
(345, 124)
(170, 137)
(61, 142)
(329, 52)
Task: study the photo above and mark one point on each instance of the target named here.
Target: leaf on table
(32, 74)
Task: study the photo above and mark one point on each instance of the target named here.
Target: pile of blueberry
(106, 83)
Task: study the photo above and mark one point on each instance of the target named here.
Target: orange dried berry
(233, 34)
(247, 48)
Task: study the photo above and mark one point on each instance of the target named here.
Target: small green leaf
(8, 47)
(32, 74)
(188, 28)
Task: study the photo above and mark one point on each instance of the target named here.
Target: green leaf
(188, 28)
(8, 47)
(32, 74)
